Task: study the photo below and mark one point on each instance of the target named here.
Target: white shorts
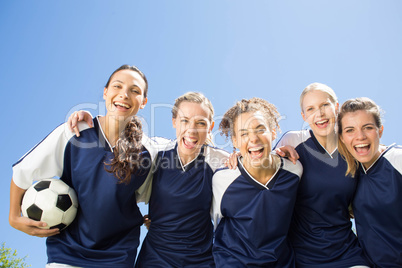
(59, 265)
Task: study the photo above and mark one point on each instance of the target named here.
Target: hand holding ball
(51, 201)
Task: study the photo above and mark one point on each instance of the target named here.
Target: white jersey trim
(45, 160)
(220, 182)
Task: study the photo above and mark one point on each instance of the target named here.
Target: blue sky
(57, 55)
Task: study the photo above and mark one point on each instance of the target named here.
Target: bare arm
(24, 224)
(289, 152)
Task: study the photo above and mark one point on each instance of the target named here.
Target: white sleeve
(220, 182)
(394, 156)
(45, 160)
(293, 138)
(154, 146)
(143, 193)
(215, 157)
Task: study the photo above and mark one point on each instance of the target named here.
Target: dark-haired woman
(377, 205)
(105, 165)
(253, 204)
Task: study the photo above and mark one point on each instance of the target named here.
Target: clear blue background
(55, 57)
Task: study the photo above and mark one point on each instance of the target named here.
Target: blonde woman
(320, 232)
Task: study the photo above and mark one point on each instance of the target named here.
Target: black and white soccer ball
(51, 201)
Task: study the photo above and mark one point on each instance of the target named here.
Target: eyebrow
(118, 81)
(113, 81)
(257, 127)
(365, 125)
(134, 85)
(369, 124)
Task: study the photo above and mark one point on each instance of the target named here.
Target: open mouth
(362, 148)
(189, 143)
(256, 152)
(121, 105)
(322, 124)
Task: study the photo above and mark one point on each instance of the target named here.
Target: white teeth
(361, 145)
(122, 105)
(322, 121)
(190, 140)
(255, 149)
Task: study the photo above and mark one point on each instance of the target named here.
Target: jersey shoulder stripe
(296, 169)
(221, 180)
(394, 156)
(45, 160)
(215, 157)
(294, 138)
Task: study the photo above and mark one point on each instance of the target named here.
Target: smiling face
(361, 136)
(319, 112)
(253, 137)
(124, 95)
(192, 126)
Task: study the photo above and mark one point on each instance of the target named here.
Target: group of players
(267, 211)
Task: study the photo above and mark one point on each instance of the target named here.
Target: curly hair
(127, 152)
(269, 111)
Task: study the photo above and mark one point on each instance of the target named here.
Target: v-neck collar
(255, 182)
(378, 158)
(101, 135)
(190, 164)
(321, 148)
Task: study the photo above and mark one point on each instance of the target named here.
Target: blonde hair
(195, 97)
(269, 111)
(350, 106)
(318, 87)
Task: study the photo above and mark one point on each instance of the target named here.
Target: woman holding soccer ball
(105, 165)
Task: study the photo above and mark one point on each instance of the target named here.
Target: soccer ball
(51, 201)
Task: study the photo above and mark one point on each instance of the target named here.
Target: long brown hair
(350, 106)
(127, 152)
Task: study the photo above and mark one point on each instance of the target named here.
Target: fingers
(279, 152)
(74, 118)
(289, 152)
(72, 123)
(34, 228)
(231, 163)
(147, 221)
(84, 116)
(44, 232)
(294, 156)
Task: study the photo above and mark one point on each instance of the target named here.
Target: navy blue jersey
(321, 233)
(378, 209)
(105, 232)
(181, 230)
(251, 219)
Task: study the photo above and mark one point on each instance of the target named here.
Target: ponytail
(127, 152)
